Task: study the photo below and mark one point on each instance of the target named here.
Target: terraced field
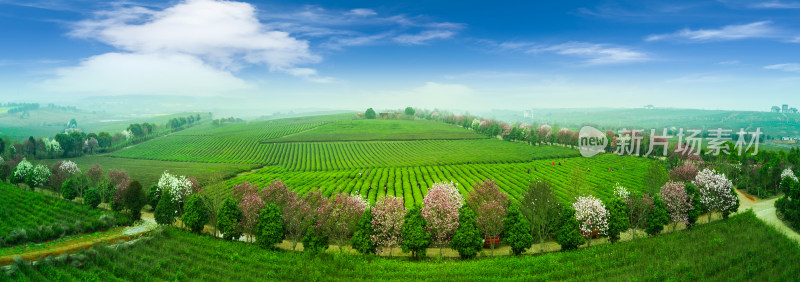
(718, 251)
(22, 209)
(411, 182)
(148, 171)
(386, 130)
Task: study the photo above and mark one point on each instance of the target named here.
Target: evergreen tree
(657, 217)
(467, 239)
(517, 231)
(269, 230)
(196, 215)
(569, 234)
(370, 114)
(134, 199)
(314, 242)
(697, 207)
(92, 197)
(415, 239)
(167, 209)
(361, 240)
(228, 219)
(617, 219)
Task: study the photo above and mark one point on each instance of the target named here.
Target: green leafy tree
(69, 190)
(467, 239)
(314, 242)
(517, 230)
(569, 234)
(361, 240)
(134, 199)
(415, 239)
(410, 111)
(228, 219)
(655, 177)
(370, 114)
(153, 195)
(540, 206)
(269, 230)
(697, 207)
(167, 209)
(617, 219)
(92, 197)
(657, 217)
(196, 213)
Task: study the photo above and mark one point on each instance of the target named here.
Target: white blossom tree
(69, 167)
(715, 191)
(21, 171)
(592, 214)
(178, 186)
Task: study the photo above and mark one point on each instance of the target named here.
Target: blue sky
(470, 55)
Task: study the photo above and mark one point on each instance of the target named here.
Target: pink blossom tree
(251, 205)
(678, 202)
(489, 205)
(440, 210)
(686, 172)
(388, 217)
(297, 217)
(276, 193)
(339, 217)
(715, 191)
(592, 214)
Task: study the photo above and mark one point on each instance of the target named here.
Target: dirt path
(74, 244)
(765, 210)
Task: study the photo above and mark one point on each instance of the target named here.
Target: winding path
(765, 210)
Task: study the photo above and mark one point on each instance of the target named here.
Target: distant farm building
(388, 115)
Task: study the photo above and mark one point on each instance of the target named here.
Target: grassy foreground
(741, 248)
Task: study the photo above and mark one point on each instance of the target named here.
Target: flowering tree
(440, 210)
(543, 132)
(250, 205)
(300, 214)
(686, 172)
(591, 214)
(244, 188)
(21, 171)
(787, 173)
(37, 176)
(276, 193)
(489, 205)
(339, 218)
(179, 186)
(69, 167)
(95, 174)
(716, 193)
(117, 177)
(620, 192)
(677, 201)
(387, 221)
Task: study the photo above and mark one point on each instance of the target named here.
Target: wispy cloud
(776, 5)
(790, 67)
(423, 37)
(594, 54)
(761, 29)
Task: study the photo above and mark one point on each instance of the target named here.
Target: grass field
(372, 130)
(22, 209)
(148, 171)
(718, 251)
(512, 178)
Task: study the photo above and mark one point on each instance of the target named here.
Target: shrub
(362, 237)
(92, 197)
(269, 230)
(415, 239)
(517, 231)
(228, 219)
(314, 243)
(569, 234)
(196, 215)
(467, 239)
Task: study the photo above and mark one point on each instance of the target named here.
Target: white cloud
(430, 95)
(731, 62)
(362, 12)
(776, 5)
(594, 54)
(762, 29)
(126, 73)
(423, 37)
(791, 67)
